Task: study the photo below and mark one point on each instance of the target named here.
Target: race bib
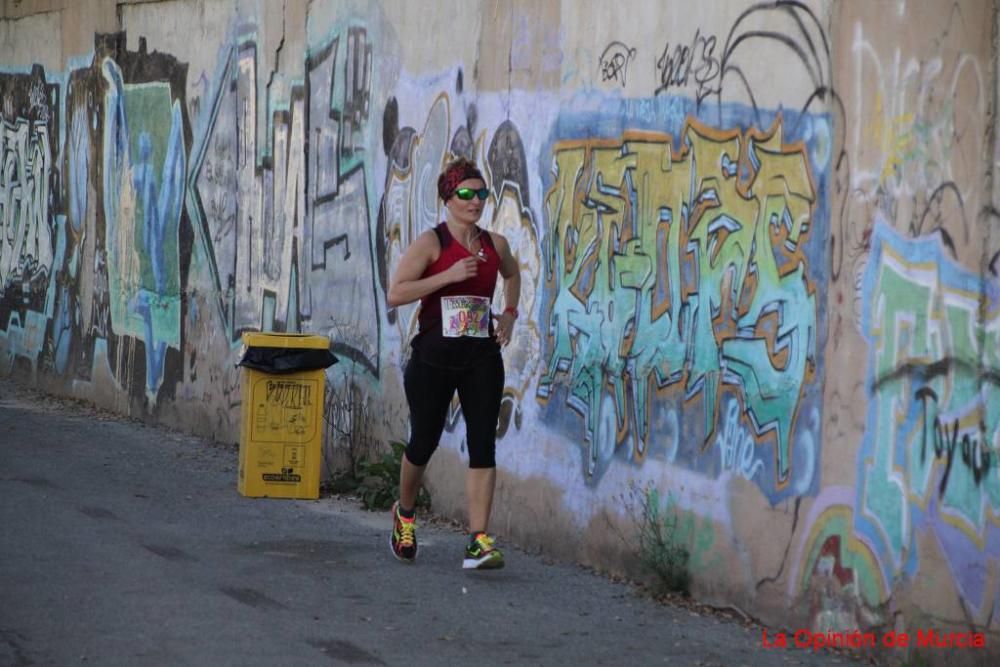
(465, 316)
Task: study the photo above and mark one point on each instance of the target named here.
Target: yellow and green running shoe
(480, 554)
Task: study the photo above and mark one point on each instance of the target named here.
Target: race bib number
(465, 316)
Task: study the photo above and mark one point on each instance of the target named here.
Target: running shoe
(481, 554)
(403, 540)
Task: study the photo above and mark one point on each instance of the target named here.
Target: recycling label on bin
(286, 475)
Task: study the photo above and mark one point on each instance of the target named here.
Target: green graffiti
(669, 267)
(934, 418)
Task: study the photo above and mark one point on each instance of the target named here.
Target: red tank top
(434, 347)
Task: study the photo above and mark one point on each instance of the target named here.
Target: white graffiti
(736, 446)
(25, 235)
(298, 230)
(915, 149)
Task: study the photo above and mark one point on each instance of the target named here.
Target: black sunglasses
(465, 194)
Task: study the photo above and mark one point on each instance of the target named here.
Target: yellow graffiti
(668, 265)
(895, 136)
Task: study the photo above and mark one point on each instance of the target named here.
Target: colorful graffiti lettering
(682, 267)
(287, 230)
(104, 253)
(930, 451)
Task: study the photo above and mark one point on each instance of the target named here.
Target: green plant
(659, 547)
(378, 479)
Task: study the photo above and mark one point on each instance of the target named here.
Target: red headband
(456, 173)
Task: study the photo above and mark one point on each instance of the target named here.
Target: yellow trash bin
(282, 384)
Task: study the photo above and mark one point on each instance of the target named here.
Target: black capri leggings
(429, 390)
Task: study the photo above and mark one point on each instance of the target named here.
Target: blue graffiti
(146, 275)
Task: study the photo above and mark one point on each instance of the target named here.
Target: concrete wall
(759, 242)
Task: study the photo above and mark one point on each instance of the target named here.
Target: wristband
(512, 310)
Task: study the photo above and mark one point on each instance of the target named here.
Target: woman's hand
(461, 270)
(511, 272)
(504, 328)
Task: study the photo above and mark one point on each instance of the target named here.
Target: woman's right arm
(407, 286)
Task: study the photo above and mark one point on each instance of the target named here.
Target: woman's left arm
(510, 270)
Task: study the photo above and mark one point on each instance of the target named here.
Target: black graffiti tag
(975, 451)
(614, 62)
(683, 65)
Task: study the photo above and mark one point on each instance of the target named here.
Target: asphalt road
(123, 544)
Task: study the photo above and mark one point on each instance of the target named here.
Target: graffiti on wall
(929, 458)
(684, 269)
(714, 67)
(917, 151)
(144, 163)
(835, 579)
(287, 230)
(614, 62)
(918, 146)
(410, 206)
(95, 241)
(694, 63)
(713, 70)
(96, 249)
(125, 255)
(29, 135)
